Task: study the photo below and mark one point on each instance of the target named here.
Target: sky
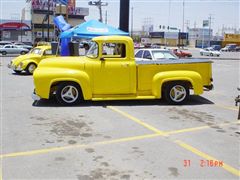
(157, 12)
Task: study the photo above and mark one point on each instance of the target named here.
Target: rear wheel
(4, 53)
(176, 92)
(30, 68)
(201, 53)
(23, 52)
(211, 54)
(68, 93)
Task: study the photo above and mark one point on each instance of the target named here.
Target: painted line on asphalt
(80, 146)
(198, 128)
(1, 175)
(178, 142)
(227, 107)
(148, 126)
(208, 157)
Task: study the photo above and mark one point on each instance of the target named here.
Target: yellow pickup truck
(109, 72)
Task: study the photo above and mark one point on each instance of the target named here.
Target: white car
(209, 52)
(154, 54)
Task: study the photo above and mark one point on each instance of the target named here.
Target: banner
(43, 4)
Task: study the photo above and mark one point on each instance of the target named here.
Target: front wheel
(30, 68)
(176, 92)
(68, 93)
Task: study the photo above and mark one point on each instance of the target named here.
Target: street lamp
(99, 4)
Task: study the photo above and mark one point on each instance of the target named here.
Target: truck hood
(21, 58)
(63, 62)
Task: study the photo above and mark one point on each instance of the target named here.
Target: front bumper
(209, 87)
(16, 68)
(35, 97)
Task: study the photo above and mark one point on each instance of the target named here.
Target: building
(200, 37)
(37, 11)
(15, 30)
(166, 38)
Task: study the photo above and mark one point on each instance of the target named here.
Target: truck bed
(146, 70)
(170, 61)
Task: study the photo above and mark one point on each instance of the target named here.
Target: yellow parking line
(137, 121)
(55, 149)
(227, 107)
(208, 157)
(198, 128)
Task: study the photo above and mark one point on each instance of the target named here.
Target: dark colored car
(237, 49)
(216, 47)
(229, 48)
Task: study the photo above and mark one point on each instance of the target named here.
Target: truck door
(113, 72)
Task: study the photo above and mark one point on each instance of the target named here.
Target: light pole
(132, 23)
(99, 5)
(48, 20)
(183, 16)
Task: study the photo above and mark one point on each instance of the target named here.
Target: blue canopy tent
(91, 29)
(87, 30)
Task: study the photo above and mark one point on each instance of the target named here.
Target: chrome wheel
(178, 93)
(30, 68)
(69, 94)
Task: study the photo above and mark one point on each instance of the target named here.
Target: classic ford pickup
(109, 72)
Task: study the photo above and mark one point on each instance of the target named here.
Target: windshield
(93, 51)
(163, 55)
(36, 51)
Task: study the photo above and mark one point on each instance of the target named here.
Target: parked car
(229, 48)
(209, 52)
(154, 54)
(216, 47)
(181, 54)
(3, 43)
(13, 49)
(237, 49)
(20, 44)
(30, 61)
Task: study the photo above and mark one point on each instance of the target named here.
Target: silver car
(154, 54)
(13, 49)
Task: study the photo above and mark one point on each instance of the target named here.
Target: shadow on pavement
(194, 100)
(21, 74)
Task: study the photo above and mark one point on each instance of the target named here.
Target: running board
(123, 98)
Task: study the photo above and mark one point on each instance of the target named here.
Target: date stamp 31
(204, 163)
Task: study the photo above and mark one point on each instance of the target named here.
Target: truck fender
(169, 76)
(80, 78)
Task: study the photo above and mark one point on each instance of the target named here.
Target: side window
(147, 55)
(114, 50)
(48, 52)
(139, 54)
(7, 46)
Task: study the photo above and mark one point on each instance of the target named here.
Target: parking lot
(120, 139)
